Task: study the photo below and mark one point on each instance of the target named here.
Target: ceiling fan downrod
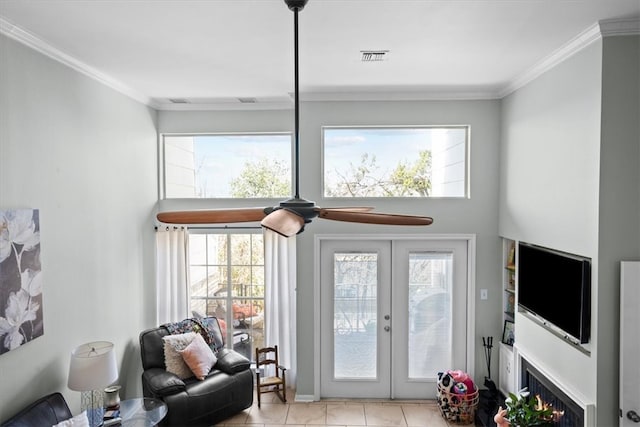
(305, 208)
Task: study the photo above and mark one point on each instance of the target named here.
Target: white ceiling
(215, 51)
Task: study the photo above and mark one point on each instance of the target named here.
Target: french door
(393, 315)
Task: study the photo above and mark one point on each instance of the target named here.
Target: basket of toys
(457, 397)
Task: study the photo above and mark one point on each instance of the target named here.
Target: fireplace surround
(538, 384)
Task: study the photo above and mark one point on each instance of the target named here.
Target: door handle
(387, 329)
(633, 416)
(387, 317)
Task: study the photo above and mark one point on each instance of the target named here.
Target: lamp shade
(93, 366)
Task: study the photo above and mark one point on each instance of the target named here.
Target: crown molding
(603, 28)
(336, 96)
(575, 45)
(12, 31)
(620, 27)
(223, 106)
(422, 94)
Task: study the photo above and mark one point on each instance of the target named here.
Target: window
(227, 281)
(395, 161)
(227, 165)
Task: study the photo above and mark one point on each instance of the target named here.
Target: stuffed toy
(500, 419)
(460, 388)
(462, 377)
(446, 381)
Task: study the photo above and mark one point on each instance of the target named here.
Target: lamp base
(93, 402)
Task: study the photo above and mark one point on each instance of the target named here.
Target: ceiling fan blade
(349, 209)
(374, 218)
(212, 216)
(284, 222)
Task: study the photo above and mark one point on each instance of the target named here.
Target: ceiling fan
(290, 216)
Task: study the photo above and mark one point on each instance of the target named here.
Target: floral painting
(20, 278)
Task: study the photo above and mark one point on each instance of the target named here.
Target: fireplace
(538, 384)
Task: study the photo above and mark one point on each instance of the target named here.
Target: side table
(142, 412)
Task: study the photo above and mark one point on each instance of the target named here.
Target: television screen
(556, 287)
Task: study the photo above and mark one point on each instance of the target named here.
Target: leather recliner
(46, 411)
(227, 390)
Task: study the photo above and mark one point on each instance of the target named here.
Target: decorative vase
(112, 396)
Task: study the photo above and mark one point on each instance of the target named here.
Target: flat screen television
(556, 287)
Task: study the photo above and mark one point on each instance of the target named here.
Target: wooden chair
(273, 378)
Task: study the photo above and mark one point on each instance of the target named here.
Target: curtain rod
(225, 227)
(168, 227)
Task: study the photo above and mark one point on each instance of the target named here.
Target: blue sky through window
(221, 158)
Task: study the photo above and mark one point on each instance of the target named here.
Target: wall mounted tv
(556, 288)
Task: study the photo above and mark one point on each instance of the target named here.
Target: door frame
(470, 239)
(629, 296)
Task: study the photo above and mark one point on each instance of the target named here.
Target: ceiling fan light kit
(290, 216)
(285, 222)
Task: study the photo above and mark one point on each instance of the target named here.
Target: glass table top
(142, 412)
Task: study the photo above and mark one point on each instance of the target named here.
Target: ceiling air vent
(374, 55)
(178, 101)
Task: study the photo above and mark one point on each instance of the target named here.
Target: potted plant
(524, 410)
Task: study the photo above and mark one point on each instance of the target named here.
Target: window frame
(162, 178)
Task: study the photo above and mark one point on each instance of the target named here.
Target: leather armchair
(227, 390)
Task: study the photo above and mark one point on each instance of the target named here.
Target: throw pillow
(79, 420)
(199, 357)
(172, 358)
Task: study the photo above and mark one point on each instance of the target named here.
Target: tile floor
(345, 413)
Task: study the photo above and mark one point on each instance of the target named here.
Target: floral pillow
(173, 360)
(199, 357)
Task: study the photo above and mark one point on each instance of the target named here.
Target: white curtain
(280, 299)
(172, 286)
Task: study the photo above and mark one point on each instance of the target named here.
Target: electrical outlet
(484, 294)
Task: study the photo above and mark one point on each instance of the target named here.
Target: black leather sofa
(227, 390)
(46, 411)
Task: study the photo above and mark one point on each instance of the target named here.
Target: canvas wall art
(21, 317)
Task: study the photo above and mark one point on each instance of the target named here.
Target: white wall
(85, 156)
(569, 180)
(549, 190)
(476, 215)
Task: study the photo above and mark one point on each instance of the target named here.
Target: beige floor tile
(338, 413)
(272, 397)
(384, 415)
(345, 414)
(307, 413)
(238, 419)
(424, 415)
(269, 413)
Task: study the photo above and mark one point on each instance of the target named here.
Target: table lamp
(93, 366)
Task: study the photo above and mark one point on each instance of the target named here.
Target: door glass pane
(430, 278)
(355, 315)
